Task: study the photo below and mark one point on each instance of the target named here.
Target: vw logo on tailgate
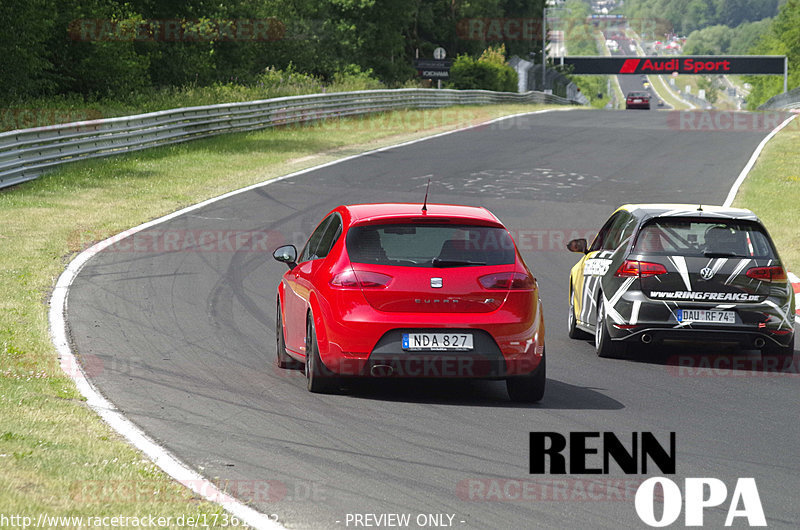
(706, 273)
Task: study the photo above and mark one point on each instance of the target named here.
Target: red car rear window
(414, 245)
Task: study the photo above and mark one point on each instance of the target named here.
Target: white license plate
(437, 341)
(637, 100)
(706, 315)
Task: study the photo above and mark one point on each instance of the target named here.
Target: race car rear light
(780, 331)
(506, 280)
(631, 268)
(360, 280)
(767, 274)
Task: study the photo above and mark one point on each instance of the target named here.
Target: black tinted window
(414, 245)
(329, 237)
(619, 227)
(309, 251)
(704, 237)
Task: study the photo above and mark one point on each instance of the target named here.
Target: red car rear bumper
(505, 343)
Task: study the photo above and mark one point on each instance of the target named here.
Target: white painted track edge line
(117, 421)
(749, 166)
(162, 457)
(750, 163)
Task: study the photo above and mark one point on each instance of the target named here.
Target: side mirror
(578, 245)
(286, 254)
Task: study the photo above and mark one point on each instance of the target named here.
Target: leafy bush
(488, 72)
(352, 77)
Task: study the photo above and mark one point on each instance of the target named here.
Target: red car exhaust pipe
(381, 370)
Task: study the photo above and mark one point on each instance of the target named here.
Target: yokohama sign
(693, 64)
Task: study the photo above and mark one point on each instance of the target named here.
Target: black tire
(776, 358)
(572, 323)
(319, 379)
(282, 359)
(528, 388)
(603, 344)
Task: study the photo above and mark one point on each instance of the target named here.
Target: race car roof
(646, 211)
(377, 212)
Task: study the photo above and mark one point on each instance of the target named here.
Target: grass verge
(39, 112)
(772, 191)
(619, 97)
(665, 92)
(57, 457)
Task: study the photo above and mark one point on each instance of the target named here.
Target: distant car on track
(410, 291)
(637, 100)
(665, 272)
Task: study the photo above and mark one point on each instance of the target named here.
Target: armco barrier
(27, 153)
(788, 100)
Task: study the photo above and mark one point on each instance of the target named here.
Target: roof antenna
(699, 207)
(425, 204)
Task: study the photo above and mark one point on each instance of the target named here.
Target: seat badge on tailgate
(436, 282)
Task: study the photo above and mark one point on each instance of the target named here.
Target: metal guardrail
(787, 101)
(27, 153)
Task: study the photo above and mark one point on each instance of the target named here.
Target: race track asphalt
(182, 341)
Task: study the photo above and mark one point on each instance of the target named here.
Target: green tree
(713, 40)
(23, 49)
(488, 72)
(782, 39)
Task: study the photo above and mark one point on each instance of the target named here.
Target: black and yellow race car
(665, 272)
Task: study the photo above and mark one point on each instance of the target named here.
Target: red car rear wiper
(436, 262)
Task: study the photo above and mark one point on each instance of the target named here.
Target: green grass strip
(772, 191)
(57, 457)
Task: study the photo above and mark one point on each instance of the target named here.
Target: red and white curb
(796, 286)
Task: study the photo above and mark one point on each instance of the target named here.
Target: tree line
(685, 16)
(733, 27)
(110, 48)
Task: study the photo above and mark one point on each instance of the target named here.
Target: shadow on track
(709, 359)
(477, 393)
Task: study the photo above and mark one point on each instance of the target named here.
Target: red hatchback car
(637, 100)
(405, 290)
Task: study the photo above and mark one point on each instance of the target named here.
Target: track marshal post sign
(437, 68)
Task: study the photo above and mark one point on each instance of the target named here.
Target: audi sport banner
(688, 64)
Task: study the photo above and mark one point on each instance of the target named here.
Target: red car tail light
(506, 280)
(360, 280)
(767, 274)
(631, 268)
